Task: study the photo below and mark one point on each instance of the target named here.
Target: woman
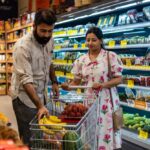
(92, 69)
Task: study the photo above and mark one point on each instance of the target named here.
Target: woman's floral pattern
(97, 72)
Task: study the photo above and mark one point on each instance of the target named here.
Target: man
(32, 70)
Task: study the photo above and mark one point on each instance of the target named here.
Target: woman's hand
(65, 86)
(97, 86)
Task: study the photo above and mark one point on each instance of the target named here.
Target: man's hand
(55, 89)
(42, 111)
(97, 86)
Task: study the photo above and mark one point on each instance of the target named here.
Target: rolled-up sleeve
(22, 65)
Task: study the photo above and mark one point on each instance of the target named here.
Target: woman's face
(92, 42)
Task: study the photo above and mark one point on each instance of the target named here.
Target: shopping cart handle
(79, 87)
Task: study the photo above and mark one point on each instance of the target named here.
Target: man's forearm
(29, 88)
(52, 74)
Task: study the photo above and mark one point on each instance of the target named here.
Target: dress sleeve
(77, 69)
(116, 64)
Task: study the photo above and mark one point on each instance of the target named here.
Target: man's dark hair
(46, 16)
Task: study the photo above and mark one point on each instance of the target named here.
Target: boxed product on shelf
(146, 11)
(2, 25)
(8, 25)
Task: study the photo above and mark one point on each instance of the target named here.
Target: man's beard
(41, 40)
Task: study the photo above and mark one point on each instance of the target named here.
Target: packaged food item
(139, 95)
(122, 19)
(141, 17)
(146, 11)
(132, 15)
(129, 93)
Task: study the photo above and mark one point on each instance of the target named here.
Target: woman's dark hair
(46, 16)
(97, 31)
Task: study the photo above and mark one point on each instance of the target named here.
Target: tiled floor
(6, 108)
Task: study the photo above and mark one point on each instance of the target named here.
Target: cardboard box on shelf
(31, 5)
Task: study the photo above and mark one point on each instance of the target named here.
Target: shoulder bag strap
(110, 76)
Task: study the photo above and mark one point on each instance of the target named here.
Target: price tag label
(140, 104)
(61, 73)
(70, 61)
(130, 83)
(130, 102)
(75, 46)
(64, 61)
(128, 62)
(111, 44)
(78, 91)
(143, 134)
(83, 45)
(82, 31)
(57, 73)
(123, 43)
(57, 47)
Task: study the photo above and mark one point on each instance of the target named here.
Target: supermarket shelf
(9, 51)
(10, 61)
(111, 30)
(137, 68)
(3, 92)
(12, 41)
(9, 71)
(70, 49)
(2, 81)
(124, 28)
(19, 28)
(1, 32)
(69, 36)
(2, 52)
(2, 41)
(2, 71)
(128, 46)
(126, 104)
(2, 61)
(135, 87)
(133, 138)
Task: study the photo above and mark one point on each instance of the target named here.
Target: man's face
(43, 33)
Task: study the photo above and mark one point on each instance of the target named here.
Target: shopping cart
(85, 129)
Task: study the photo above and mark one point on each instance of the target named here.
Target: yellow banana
(44, 128)
(53, 125)
(54, 119)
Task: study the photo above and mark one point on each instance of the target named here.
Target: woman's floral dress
(97, 72)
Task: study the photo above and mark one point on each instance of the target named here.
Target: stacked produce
(73, 111)
(136, 122)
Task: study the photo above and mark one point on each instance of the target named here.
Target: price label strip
(140, 104)
(123, 43)
(83, 45)
(130, 83)
(111, 44)
(143, 135)
(75, 46)
(128, 62)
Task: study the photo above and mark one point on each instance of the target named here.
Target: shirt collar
(89, 62)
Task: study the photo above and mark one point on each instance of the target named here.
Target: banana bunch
(51, 124)
(3, 119)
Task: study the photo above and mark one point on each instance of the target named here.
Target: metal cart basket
(85, 129)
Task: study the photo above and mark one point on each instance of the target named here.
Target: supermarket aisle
(6, 108)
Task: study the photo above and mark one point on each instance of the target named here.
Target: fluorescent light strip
(134, 32)
(145, 1)
(100, 12)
